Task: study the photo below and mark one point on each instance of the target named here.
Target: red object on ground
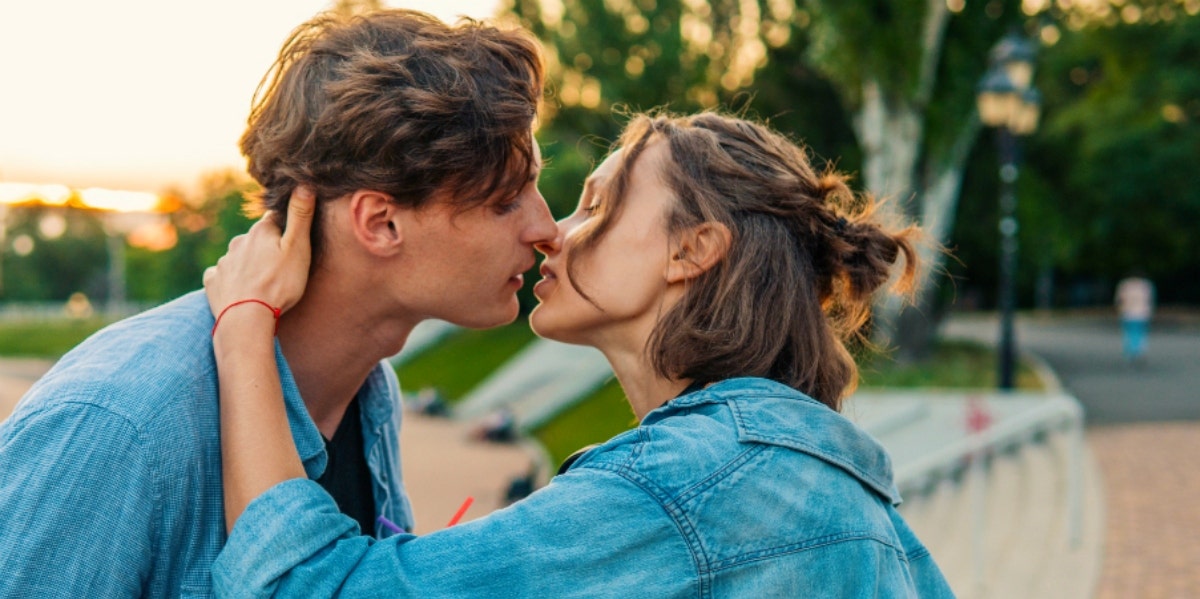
(461, 510)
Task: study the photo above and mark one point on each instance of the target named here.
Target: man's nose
(553, 245)
(542, 228)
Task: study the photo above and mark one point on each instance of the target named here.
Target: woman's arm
(269, 266)
(590, 533)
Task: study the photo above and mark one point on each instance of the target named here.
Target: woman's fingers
(266, 263)
(301, 208)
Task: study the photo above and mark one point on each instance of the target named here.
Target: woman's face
(624, 274)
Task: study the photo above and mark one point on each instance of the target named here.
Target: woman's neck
(645, 389)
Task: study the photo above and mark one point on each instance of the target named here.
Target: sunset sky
(141, 94)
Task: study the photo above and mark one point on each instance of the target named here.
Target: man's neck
(332, 340)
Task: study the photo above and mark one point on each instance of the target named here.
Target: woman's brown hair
(396, 101)
(807, 256)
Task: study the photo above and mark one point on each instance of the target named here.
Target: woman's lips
(542, 288)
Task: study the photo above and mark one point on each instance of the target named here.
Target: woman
(719, 274)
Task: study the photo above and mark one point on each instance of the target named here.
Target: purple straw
(388, 524)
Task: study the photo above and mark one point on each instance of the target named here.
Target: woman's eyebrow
(589, 188)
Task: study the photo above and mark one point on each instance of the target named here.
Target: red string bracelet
(273, 309)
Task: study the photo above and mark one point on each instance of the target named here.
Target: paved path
(1145, 435)
(1085, 351)
(442, 464)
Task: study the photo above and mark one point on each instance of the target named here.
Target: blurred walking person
(1135, 303)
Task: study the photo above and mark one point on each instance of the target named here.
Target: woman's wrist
(243, 326)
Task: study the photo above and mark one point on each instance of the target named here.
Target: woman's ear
(697, 250)
(376, 222)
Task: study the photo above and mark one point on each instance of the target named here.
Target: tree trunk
(890, 133)
(891, 139)
(939, 203)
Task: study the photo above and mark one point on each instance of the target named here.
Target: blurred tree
(1130, 122)
(900, 74)
(604, 56)
(1108, 183)
(906, 72)
(204, 228)
(608, 58)
(40, 265)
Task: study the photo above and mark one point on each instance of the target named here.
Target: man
(1135, 303)
(416, 140)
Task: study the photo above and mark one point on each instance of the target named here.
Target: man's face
(468, 265)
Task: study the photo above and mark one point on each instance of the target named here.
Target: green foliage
(45, 338)
(77, 261)
(56, 268)
(1126, 117)
(203, 230)
(610, 58)
(590, 47)
(1108, 184)
(603, 415)
(853, 41)
(460, 362)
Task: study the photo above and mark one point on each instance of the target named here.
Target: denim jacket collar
(309, 442)
(374, 399)
(774, 414)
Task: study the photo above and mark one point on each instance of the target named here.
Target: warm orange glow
(154, 236)
(95, 198)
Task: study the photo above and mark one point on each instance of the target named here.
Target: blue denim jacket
(744, 489)
(110, 467)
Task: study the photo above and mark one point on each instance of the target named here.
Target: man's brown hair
(807, 255)
(396, 101)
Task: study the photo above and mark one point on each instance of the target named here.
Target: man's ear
(375, 220)
(697, 250)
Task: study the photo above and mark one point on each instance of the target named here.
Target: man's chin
(490, 319)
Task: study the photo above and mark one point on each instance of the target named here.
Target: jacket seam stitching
(802, 547)
(729, 468)
(686, 530)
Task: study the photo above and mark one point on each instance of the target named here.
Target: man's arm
(77, 497)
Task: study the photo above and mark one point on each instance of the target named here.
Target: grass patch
(952, 365)
(593, 420)
(461, 361)
(46, 338)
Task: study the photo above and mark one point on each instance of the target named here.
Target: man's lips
(520, 276)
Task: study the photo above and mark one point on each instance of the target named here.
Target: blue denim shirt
(744, 489)
(110, 467)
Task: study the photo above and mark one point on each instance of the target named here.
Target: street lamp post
(1008, 102)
